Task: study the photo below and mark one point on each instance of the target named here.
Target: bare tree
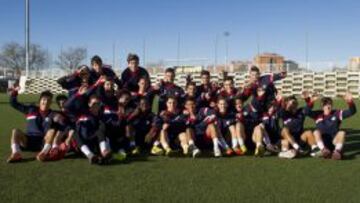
(71, 58)
(12, 56)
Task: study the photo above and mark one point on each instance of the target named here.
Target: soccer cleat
(217, 153)
(272, 149)
(54, 154)
(64, 147)
(238, 151)
(135, 151)
(229, 152)
(195, 151)
(336, 155)
(94, 160)
(156, 150)
(42, 157)
(15, 157)
(63, 150)
(169, 152)
(289, 154)
(243, 149)
(120, 156)
(326, 154)
(316, 152)
(259, 151)
(301, 152)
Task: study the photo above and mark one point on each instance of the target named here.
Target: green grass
(153, 179)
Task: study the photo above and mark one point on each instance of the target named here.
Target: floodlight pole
(216, 52)
(27, 36)
(226, 34)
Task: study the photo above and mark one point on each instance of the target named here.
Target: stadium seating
(330, 84)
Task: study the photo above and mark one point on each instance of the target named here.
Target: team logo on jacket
(47, 119)
(333, 118)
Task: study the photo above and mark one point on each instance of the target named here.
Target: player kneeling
(39, 132)
(328, 134)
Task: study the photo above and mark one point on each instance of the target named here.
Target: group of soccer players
(105, 117)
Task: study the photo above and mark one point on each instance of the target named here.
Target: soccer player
(133, 73)
(293, 133)
(90, 133)
(228, 92)
(240, 115)
(328, 135)
(39, 132)
(226, 123)
(201, 127)
(173, 128)
(65, 127)
(144, 90)
(168, 88)
(266, 82)
(99, 69)
(141, 120)
(72, 82)
(270, 127)
(205, 92)
(190, 92)
(126, 112)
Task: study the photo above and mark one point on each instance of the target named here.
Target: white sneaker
(195, 152)
(217, 153)
(289, 154)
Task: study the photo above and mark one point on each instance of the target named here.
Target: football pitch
(180, 179)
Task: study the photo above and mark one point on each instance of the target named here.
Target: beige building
(354, 64)
(269, 62)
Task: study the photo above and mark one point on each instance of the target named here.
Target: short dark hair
(83, 66)
(326, 101)
(289, 98)
(170, 70)
(96, 59)
(143, 98)
(239, 98)
(221, 98)
(254, 69)
(171, 97)
(205, 72)
(132, 57)
(229, 78)
(60, 97)
(46, 93)
(122, 92)
(192, 99)
(191, 83)
(93, 96)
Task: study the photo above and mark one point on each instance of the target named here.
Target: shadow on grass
(128, 160)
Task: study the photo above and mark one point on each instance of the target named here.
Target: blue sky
(280, 25)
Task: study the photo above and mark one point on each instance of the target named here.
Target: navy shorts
(328, 140)
(173, 133)
(34, 143)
